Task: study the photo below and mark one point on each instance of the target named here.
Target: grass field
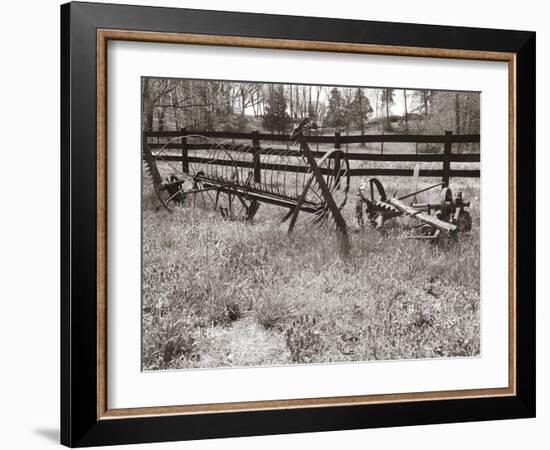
(220, 293)
(228, 293)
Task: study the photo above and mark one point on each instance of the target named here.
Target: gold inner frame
(103, 36)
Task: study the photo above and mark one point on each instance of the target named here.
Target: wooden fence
(153, 140)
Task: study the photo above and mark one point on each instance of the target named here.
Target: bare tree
(406, 110)
(457, 113)
(387, 98)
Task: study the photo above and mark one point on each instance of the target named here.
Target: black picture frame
(80, 425)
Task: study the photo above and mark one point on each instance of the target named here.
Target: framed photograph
(277, 224)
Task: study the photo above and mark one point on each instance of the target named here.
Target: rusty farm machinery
(447, 215)
(236, 178)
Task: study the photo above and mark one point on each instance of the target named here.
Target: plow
(236, 179)
(447, 215)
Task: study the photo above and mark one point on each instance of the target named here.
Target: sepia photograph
(287, 223)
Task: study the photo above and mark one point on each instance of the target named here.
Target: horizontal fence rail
(182, 148)
(304, 169)
(327, 139)
(352, 156)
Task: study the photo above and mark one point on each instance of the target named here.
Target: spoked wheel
(446, 208)
(183, 188)
(335, 170)
(190, 178)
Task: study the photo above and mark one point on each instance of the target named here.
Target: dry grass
(226, 293)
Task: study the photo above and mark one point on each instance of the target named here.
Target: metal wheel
(377, 195)
(335, 170)
(192, 180)
(376, 191)
(446, 195)
(177, 181)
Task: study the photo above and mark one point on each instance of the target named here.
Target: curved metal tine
(209, 196)
(202, 196)
(207, 166)
(284, 173)
(307, 219)
(237, 168)
(345, 191)
(337, 170)
(286, 159)
(316, 193)
(223, 167)
(266, 187)
(244, 161)
(343, 175)
(281, 162)
(176, 169)
(217, 201)
(246, 171)
(210, 168)
(163, 151)
(277, 173)
(243, 207)
(296, 195)
(272, 171)
(272, 186)
(269, 184)
(322, 215)
(232, 167)
(219, 168)
(308, 170)
(264, 159)
(229, 174)
(239, 163)
(320, 219)
(328, 177)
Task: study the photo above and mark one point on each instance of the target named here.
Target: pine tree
(336, 113)
(387, 98)
(275, 117)
(359, 110)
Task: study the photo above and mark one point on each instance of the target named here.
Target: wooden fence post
(256, 155)
(447, 158)
(337, 140)
(184, 152)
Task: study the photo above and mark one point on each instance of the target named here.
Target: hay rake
(236, 178)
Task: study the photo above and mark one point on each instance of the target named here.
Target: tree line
(172, 104)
